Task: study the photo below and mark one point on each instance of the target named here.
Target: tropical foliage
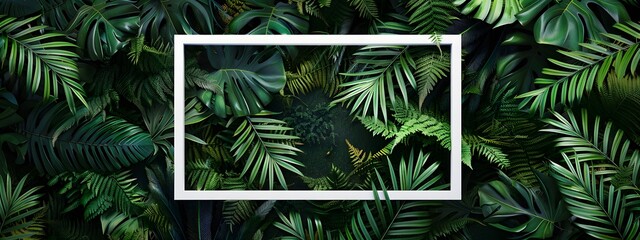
(551, 119)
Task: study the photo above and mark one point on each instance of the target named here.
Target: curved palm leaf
(40, 59)
(265, 147)
(105, 27)
(506, 199)
(602, 210)
(495, 12)
(247, 77)
(588, 140)
(575, 80)
(17, 209)
(294, 225)
(603, 147)
(58, 143)
(280, 18)
(415, 174)
(161, 19)
(378, 71)
(390, 219)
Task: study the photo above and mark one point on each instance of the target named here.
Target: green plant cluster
(550, 107)
(314, 124)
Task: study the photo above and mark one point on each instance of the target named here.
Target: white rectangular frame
(180, 192)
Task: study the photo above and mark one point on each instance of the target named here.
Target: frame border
(455, 189)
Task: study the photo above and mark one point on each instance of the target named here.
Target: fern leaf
(378, 127)
(237, 212)
(364, 162)
(202, 176)
(366, 8)
(429, 70)
(427, 124)
(310, 74)
(494, 154)
(98, 193)
(430, 16)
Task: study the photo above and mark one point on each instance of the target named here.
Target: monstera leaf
(161, 19)
(570, 22)
(495, 12)
(281, 18)
(105, 27)
(504, 199)
(248, 78)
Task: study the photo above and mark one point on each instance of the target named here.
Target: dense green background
(551, 119)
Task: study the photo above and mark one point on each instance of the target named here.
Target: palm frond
(265, 147)
(587, 139)
(43, 62)
(415, 174)
(377, 69)
(569, 82)
(366, 8)
(61, 142)
(295, 226)
(430, 16)
(601, 211)
(495, 12)
(604, 148)
(387, 219)
(19, 207)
